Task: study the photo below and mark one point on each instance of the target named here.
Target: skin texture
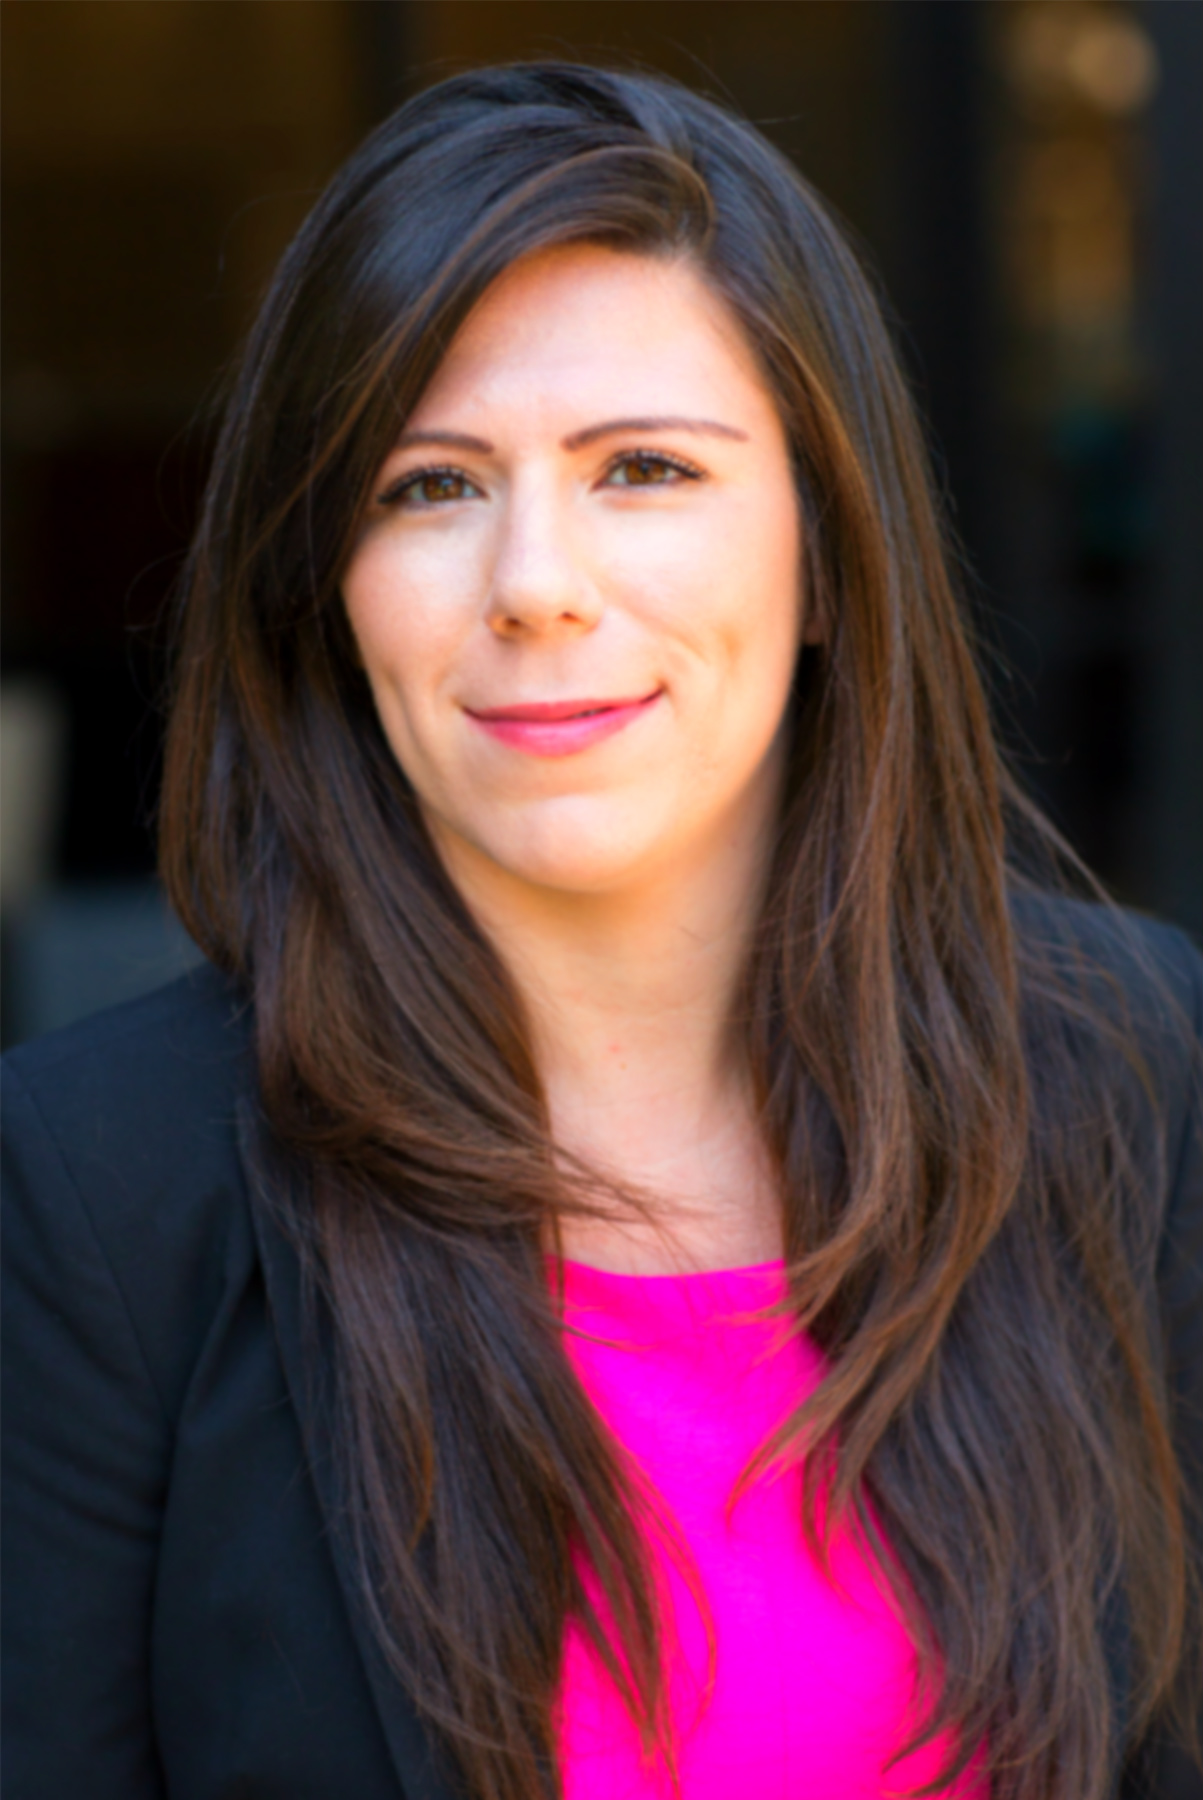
(517, 552)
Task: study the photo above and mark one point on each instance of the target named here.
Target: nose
(540, 581)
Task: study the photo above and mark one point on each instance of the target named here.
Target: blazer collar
(421, 1771)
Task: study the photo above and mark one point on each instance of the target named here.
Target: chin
(576, 869)
(575, 849)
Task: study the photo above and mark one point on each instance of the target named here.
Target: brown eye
(646, 470)
(439, 484)
(430, 487)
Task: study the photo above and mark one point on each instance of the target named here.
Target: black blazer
(180, 1618)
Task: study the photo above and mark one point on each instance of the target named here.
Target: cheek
(770, 554)
(405, 623)
(731, 594)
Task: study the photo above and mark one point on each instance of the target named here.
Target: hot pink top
(813, 1679)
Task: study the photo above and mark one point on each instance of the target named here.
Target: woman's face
(590, 512)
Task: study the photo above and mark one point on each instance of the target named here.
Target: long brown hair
(933, 1046)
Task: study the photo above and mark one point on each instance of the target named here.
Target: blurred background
(1027, 175)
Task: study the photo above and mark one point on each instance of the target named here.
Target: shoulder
(1123, 995)
(1147, 960)
(123, 1182)
(142, 1077)
(193, 1029)
(1140, 977)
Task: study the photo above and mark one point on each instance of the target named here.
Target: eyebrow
(577, 440)
(457, 440)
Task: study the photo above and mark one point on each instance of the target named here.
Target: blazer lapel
(421, 1771)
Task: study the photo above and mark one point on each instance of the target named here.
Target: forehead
(584, 328)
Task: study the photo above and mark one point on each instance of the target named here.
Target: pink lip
(560, 727)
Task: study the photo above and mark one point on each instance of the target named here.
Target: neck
(629, 994)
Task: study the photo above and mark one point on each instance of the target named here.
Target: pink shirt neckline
(568, 1262)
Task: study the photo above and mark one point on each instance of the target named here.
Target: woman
(658, 1251)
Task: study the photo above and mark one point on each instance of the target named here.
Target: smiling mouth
(561, 727)
(549, 711)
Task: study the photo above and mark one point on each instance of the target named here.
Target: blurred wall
(1026, 174)
(157, 158)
